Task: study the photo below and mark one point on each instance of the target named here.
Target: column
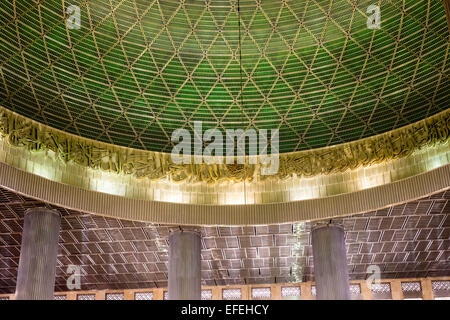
(37, 263)
(330, 262)
(184, 265)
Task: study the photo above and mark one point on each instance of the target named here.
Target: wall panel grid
(395, 289)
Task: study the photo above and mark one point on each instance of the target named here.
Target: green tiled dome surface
(138, 69)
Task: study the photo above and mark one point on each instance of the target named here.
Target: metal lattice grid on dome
(231, 294)
(143, 296)
(114, 296)
(137, 70)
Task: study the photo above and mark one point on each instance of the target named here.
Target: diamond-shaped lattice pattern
(206, 294)
(441, 289)
(355, 291)
(440, 285)
(412, 290)
(86, 297)
(60, 297)
(290, 291)
(261, 293)
(231, 294)
(137, 70)
(381, 287)
(381, 291)
(114, 296)
(143, 296)
(411, 287)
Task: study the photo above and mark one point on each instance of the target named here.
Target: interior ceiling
(408, 240)
(138, 69)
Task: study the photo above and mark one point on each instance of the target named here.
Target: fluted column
(184, 265)
(330, 262)
(37, 264)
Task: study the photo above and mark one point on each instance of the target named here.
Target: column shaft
(330, 262)
(184, 266)
(38, 252)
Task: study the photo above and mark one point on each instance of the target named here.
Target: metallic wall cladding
(405, 241)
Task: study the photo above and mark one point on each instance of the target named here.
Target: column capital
(41, 210)
(327, 223)
(190, 230)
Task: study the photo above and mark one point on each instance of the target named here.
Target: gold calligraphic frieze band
(23, 132)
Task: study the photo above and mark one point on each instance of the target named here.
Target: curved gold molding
(22, 132)
(39, 173)
(171, 213)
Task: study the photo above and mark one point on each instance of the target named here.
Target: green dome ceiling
(138, 69)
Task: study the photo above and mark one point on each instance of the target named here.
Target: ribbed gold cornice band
(162, 212)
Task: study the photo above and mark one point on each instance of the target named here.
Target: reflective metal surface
(405, 241)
